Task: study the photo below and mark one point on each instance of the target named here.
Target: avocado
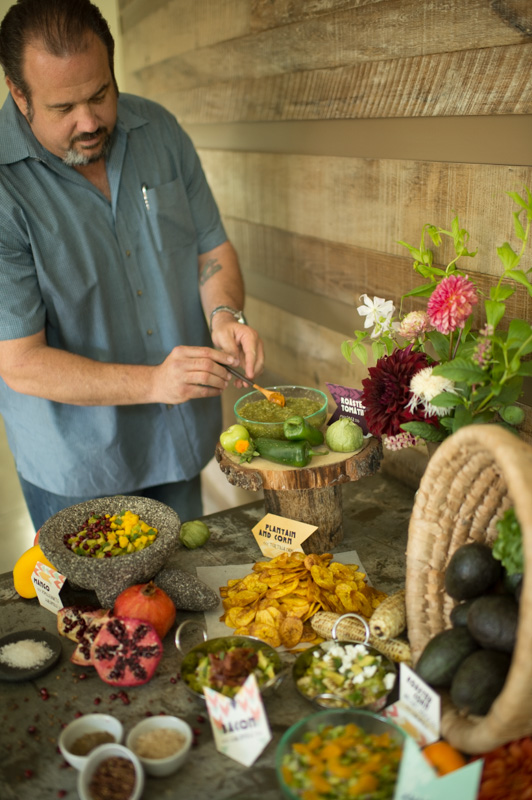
(479, 680)
(458, 615)
(511, 582)
(443, 654)
(492, 621)
(471, 571)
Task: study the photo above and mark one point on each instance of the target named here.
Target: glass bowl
(274, 430)
(370, 723)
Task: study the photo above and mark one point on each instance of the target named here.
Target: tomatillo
(231, 436)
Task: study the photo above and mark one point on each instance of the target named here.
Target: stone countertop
(376, 512)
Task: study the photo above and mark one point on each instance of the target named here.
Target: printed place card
(418, 709)
(348, 404)
(275, 535)
(48, 584)
(239, 724)
(417, 780)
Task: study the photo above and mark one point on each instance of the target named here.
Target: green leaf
(440, 343)
(346, 349)
(508, 256)
(494, 312)
(360, 352)
(421, 291)
(519, 276)
(519, 230)
(510, 392)
(519, 332)
(525, 369)
(424, 430)
(378, 349)
(502, 292)
(434, 234)
(460, 370)
(482, 418)
(461, 418)
(518, 199)
(446, 400)
(414, 251)
(447, 423)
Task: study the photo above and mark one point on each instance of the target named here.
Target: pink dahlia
(386, 392)
(451, 303)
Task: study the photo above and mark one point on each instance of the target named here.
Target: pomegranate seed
(82, 678)
(32, 729)
(113, 696)
(196, 731)
(78, 714)
(28, 773)
(173, 680)
(148, 714)
(97, 701)
(44, 693)
(62, 793)
(200, 718)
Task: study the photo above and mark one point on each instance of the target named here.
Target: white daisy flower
(425, 387)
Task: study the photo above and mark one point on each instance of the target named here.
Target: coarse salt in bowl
(161, 734)
(107, 772)
(84, 731)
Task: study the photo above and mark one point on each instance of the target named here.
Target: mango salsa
(111, 535)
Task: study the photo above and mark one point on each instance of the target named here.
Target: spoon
(273, 397)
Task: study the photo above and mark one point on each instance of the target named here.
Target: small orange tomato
(443, 757)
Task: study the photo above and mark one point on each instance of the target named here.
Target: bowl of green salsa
(263, 418)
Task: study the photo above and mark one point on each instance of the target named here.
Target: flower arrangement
(434, 373)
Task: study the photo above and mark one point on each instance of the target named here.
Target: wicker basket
(471, 479)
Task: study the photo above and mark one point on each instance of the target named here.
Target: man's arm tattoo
(209, 269)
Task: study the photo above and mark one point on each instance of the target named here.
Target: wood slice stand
(308, 494)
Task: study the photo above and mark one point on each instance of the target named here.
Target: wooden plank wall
(266, 89)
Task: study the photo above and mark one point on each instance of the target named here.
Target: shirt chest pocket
(169, 217)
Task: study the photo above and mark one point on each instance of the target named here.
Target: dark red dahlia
(387, 391)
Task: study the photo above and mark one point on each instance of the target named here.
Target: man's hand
(239, 341)
(191, 372)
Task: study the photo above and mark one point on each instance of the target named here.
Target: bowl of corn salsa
(264, 418)
(137, 557)
(340, 754)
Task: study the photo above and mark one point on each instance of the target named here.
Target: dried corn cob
(389, 618)
(352, 630)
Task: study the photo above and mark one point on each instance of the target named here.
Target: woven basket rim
(472, 477)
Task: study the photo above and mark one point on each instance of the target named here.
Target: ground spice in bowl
(84, 744)
(113, 779)
(159, 743)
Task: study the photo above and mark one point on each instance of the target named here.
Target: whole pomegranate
(148, 602)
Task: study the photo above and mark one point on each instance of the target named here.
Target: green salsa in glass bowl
(263, 418)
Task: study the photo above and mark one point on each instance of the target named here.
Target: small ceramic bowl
(90, 725)
(95, 761)
(274, 430)
(159, 726)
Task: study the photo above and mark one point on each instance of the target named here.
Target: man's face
(73, 101)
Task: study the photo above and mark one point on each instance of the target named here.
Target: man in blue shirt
(114, 263)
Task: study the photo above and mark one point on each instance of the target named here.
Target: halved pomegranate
(73, 621)
(126, 651)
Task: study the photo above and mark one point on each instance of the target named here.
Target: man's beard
(73, 158)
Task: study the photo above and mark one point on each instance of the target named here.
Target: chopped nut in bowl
(161, 744)
(112, 772)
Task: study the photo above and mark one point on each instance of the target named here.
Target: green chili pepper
(291, 454)
(298, 429)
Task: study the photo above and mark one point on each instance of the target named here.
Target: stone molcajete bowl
(108, 576)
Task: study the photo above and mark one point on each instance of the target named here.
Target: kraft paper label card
(418, 709)
(239, 724)
(417, 780)
(275, 535)
(48, 584)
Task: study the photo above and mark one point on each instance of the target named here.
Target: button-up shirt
(113, 281)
